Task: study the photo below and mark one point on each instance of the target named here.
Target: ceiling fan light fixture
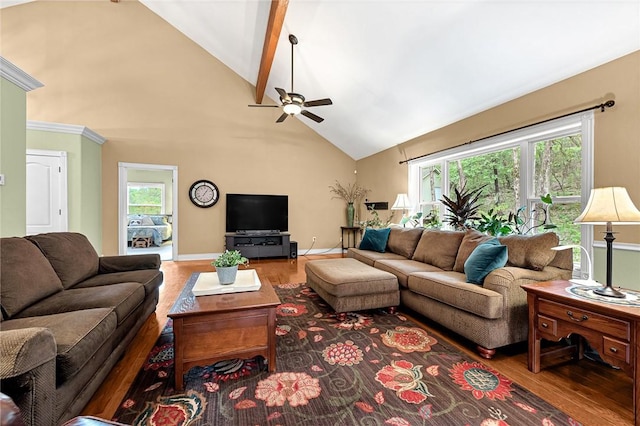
(292, 109)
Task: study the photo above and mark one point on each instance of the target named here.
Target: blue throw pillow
(483, 259)
(375, 239)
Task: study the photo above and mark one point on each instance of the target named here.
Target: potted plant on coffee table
(227, 265)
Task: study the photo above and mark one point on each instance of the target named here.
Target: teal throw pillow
(483, 259)
(375, 239)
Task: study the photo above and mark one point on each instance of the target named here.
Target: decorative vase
(350, 212)
(227, 274)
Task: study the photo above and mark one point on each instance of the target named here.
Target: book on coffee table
(208, 284)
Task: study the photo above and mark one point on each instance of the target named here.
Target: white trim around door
(122, 202)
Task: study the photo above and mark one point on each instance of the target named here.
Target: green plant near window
(415, 219)
(230, 258)
(463, 208)
(432, 220)
(493, 223)
(375, 221)
(526, 222)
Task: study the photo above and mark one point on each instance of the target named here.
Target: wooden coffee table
(208, 329)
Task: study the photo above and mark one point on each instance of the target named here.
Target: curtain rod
(602, 106)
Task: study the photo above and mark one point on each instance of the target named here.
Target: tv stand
(257, 244)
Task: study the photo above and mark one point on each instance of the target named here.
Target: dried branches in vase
(351, 193)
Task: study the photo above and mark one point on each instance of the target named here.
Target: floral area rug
(372, 368)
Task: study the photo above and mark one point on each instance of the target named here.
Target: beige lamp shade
(611, 204)
(402, 202)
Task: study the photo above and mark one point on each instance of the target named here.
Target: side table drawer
(616, 349)
(591, 320)
(547, 325)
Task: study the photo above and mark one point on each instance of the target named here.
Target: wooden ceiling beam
(274, 26)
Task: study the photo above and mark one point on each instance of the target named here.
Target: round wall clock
(204, 193)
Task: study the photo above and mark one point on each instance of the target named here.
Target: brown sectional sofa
(67, 318)
(429, 265)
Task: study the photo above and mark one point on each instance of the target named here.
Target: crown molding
(18, 77)
(66, 128)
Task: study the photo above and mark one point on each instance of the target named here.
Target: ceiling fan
(293, 103)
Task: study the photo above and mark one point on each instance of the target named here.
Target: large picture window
(515, 171)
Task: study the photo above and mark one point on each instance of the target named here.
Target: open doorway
(148, 209)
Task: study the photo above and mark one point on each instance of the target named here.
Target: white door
(46, 191)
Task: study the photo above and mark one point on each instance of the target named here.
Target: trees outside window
(145, 198)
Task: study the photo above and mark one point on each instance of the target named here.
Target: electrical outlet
(340, 239)
(314, 239)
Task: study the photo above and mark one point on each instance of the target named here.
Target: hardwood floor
(592, 393)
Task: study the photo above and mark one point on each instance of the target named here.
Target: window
(515, 170)
(145, 198)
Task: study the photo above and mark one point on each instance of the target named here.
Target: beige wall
(160, 99)
(617, 144)
(84, 179)
(13, 162)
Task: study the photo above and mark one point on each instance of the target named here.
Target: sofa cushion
(370, 257)
(149, 278)
(451, 288)
(375, 239)
(401, 268)
(472, 238)
(403, 241)
(485, 258)
(124, 298)
(78, 336)
(71, 255)
(26, 276)
(530, 251)
(438, 248)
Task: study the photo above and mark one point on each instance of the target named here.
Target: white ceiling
(397, 69)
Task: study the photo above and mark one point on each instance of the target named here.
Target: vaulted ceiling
(397, 69)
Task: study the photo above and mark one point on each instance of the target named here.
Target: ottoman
(350, 285)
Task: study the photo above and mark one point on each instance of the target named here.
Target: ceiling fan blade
(312, 116)
(283, 94)
(318, 102)
(265, 106)
(282, 117)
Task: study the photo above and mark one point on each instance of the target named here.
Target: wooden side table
(352, 233)
(611, 329)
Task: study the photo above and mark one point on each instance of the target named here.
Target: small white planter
(227, 275)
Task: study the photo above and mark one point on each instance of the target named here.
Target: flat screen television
(250, 213)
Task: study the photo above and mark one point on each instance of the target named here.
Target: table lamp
(589, 280)
(402, 203)
(607, 206)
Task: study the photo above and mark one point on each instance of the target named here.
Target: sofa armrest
(28, 373)
(131, 262)
(507, 281)
(510, 274)
(24, 349)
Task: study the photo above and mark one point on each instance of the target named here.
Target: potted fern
(227, 266)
